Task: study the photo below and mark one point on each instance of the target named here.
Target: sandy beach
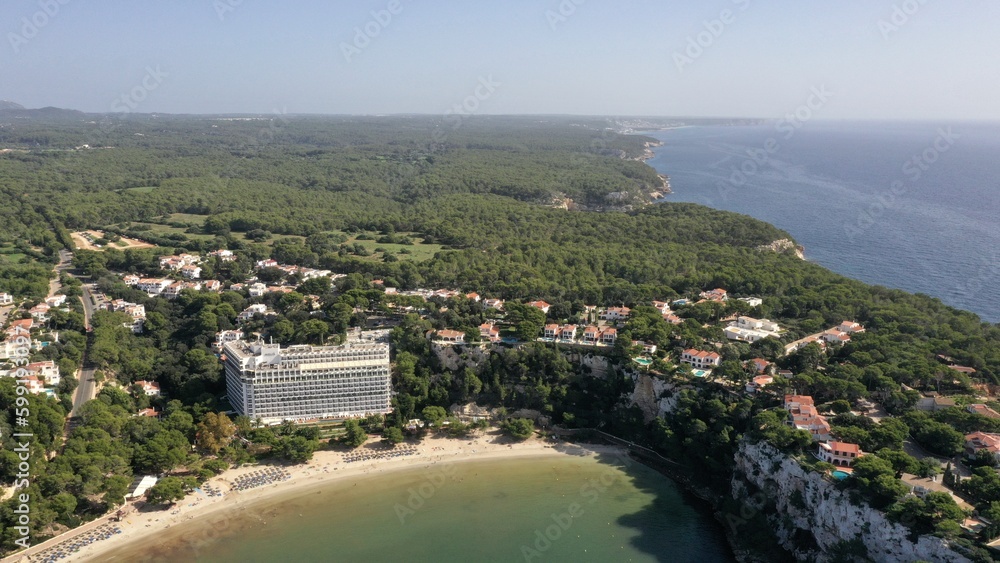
(141, 525)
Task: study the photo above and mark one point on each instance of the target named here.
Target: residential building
(977, 441)
(150, 412)
(550, 331)
(717, 294)
(752, 301)
(212, 285)
(745, 334)
(750, 323)
(758, 383)
(250, 311)
(701, 359)
(614, 314)
(269, 263)
(150, 388)
(932, 402)
(982, 410)
(6, 299)
(153, 286)
(493, 304)
(489, 332)
(591, 334)
(223, 255)
(47, 371)
(55, 300)
(40, 312)
(301, 383)
(448, 335)
(473, 297)
(803, 415)
(760, 365)
(33, 383)
(191, 271)
(225, 336)
(541, 305)
(131, 280)
(841, 454)
(608, 336)
(567, 333)
(257, 289)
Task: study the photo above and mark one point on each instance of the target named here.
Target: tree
(434, 414)
(168, 489)
(214, 432)
(392, 435)
(297, 449)
(355, 435)
(518, 428)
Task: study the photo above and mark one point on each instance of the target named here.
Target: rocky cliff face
(652, 395)
(807, 504)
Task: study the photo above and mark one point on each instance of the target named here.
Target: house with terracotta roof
(615, 314)
(758, 383)
(489, 332)
(40, 312)
(33, 384)
(841, 454)
(804, 416)
(982, 410)
(150, 412)
(760, 365)
(47, 371)
(473, 296)
(541, 305)
(719, 295)
(978, 441)
(567, 333)
(493, 304)
(452, 336)
(609, 336)
(150, 388)
(701, 359)
(591, 334)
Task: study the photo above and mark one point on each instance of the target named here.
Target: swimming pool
(643, 361)
(701, 372)
(840, 475)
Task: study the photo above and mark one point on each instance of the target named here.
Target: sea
(907, 205)
(570, 508)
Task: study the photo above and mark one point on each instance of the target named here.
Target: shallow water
(530, 509)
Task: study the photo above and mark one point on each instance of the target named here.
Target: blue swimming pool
(840, 475)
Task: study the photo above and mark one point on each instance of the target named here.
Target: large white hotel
(302, 383)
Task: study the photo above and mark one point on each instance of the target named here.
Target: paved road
(87, 389)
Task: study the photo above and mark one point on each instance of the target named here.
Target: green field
(10, 258)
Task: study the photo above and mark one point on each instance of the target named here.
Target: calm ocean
(914, 206)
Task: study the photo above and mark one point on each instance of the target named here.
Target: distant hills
(13, 109)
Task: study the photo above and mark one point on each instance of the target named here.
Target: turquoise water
(643, 361)
(840, 475)
(853, 195)
(533, 509)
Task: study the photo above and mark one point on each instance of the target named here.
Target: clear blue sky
(607, 57)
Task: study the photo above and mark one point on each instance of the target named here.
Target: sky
(850, 59)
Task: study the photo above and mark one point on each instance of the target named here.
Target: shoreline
(327, 468)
